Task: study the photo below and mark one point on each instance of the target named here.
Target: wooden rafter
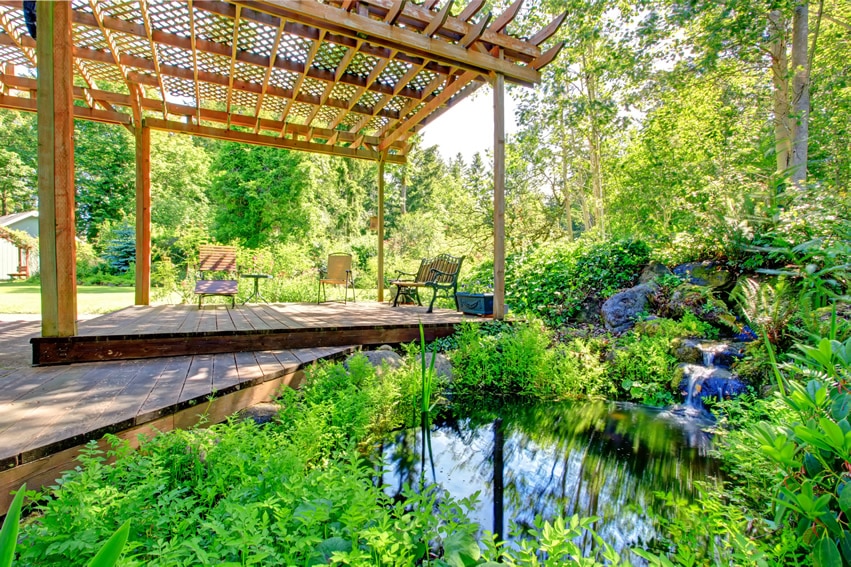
(444, 96)
(116, 55)
(194, 47)
(314, 49)
(149, 32)
(334, 20)
(235, 48)
(246, 137)
(398, 64)
(275, 45)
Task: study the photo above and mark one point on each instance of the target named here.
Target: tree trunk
(565, 188)
(800, 93)
(594, 142)
(586, 213)
(780, 81)
(404, 193)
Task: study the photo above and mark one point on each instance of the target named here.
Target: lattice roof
(345, 77)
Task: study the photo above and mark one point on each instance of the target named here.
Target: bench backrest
(448, 265)
(217, 259)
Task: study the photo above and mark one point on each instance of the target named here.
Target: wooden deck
(175, 330)
(48, 413)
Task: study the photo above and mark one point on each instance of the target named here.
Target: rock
(709, 274)
(651, 326)
(260, 413)
(729, 354)
(378, 358)
(700, 382)
(442, 365)
(714, 353)
(620, 310)
(385, 347)
(687, 351)
(701, 303)
(652, 271)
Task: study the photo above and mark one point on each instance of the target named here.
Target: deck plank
(225, 374)
(199, 379)
(33, 417)
(247, 366)
(166, 389)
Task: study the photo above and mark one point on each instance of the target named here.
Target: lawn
(26, 298)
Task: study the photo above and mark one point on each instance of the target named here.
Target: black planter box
(475, 303)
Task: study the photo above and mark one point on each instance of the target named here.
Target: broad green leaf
(841, 407)
(111, 550)
(826, 554)
(834, 434)
(9, 532)
(845, 498)
(459, 548)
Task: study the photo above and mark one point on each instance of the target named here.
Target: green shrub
(293, 492)
(518, 360)
(555, 280)
(643, 363)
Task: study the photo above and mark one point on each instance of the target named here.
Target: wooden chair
(438, 274)
(338, 272)
(214, 260)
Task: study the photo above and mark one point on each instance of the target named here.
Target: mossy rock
(709, 274)
(700, 302)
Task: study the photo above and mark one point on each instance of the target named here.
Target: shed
(18, 256)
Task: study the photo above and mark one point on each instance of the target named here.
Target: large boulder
(699, 382)
(380, 359)
(709, 274)
(700, 301)
(442, 366)
(620, 311)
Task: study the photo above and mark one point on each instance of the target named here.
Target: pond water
(609, 460)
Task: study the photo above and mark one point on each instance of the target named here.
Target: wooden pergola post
(381, 229)
(143, 215)
(55, 103)
(499, 197)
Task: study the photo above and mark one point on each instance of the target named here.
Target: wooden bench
(213, 260)
(438, 274)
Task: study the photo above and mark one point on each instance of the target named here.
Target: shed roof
(354, 78)
(14, 218)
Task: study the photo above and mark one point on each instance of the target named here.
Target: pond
(610, 460)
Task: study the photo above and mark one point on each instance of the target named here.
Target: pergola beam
(260, 140)
(356, 26)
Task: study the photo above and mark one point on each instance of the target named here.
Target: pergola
(351, 78)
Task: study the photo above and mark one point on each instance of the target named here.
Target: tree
(15, 192)
(259, 195)
(180, 180)
(105, 175)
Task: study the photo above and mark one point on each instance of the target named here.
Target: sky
(468, 127)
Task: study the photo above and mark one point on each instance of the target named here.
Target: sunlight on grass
(20, 298)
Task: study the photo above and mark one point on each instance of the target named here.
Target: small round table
(256, 293)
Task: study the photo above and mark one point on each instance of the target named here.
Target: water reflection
(594, 459)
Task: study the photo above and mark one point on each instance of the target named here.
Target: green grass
(26, 298)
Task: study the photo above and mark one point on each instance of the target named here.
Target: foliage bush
(519, 360)
(642, 361)
(553, 281)
(294, 492)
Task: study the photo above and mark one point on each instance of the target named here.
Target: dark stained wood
(137, 333)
